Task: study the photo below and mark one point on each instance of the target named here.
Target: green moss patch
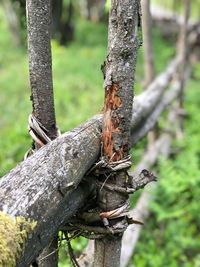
(13, 234)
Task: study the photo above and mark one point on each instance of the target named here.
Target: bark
(40, 66)
(119, 78)
(141, 211)
(29, 188)
(42, 185)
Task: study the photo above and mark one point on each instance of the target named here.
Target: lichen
(13, 234)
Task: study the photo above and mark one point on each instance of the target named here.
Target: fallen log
(43, 188)
(170, 24)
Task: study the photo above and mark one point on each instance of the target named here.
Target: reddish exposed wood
(111, 123)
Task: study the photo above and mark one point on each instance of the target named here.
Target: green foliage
(77, 81)
(78, 246)
(171, 237)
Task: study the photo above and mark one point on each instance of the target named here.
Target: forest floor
(170, 238)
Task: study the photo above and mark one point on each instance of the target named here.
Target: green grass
(171, 236)
(78, 88)
(78, 84)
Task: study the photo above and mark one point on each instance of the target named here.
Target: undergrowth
(171, 235)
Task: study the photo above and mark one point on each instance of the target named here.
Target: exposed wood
(25, 192)
(160, 147)
(119, 78)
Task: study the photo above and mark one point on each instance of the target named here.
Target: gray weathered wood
(40, 68)
(150, 120)
(31, 189)
(118, 84)
(40, 65)
(147, 42)
(41, 185)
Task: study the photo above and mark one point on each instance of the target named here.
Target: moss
(13, 234)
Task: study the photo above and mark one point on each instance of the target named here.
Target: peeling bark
(119, 78)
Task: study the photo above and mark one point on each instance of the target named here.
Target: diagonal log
(44, 186)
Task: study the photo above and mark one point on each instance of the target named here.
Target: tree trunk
(13, 21)
(40, 188)
(56, 16)
(119, 78)
(148, 56)
(67, 24)
(147, 43)
(40, 68)
(93, 10)
(183, 53)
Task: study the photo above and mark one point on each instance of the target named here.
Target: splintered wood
(111, 123)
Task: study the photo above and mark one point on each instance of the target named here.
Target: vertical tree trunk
(13, 21)
(56, 16)
(40, 68)
(183, 53)
(184, 46)
(119, 78)
(147, 43)
(93, 10)
(149, 71)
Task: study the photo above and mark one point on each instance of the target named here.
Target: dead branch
(40, 187)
